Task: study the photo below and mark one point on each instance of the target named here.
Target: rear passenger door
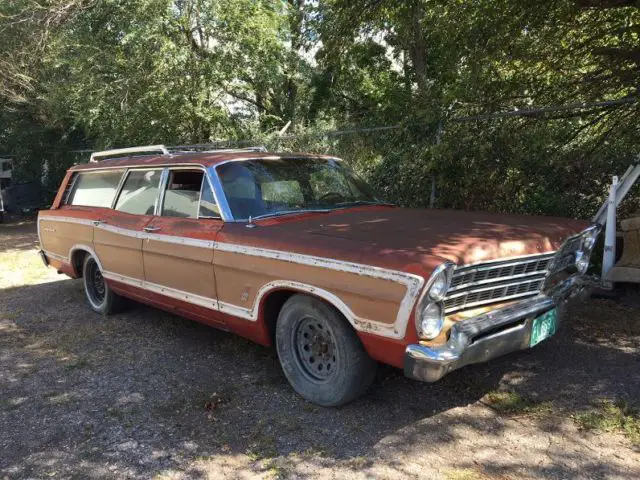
(178, 248)
(118, 235)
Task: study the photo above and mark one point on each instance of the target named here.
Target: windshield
(256, 188)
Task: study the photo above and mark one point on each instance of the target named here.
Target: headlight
(440, 281)
(431, 321)
(588, 243)
(439, 286)
(574, 255)
(582, 262)
(589, 237)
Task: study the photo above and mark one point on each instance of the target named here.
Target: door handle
(151, 228)
(97, 223)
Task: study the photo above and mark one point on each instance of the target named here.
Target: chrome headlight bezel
(575, 252)
(440, 279)
(432, 297)
(590, 238)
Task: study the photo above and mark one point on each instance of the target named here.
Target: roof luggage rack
(161, 149)
(212, 148)
(122, 152)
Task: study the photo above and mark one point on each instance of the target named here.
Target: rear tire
(99, 296)
(321, 355)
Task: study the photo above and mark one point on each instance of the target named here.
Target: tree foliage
(89, 73)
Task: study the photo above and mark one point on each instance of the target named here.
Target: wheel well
(271, 309)
(77, 259)
(274, 302)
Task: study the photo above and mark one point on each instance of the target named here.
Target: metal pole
(609, 256)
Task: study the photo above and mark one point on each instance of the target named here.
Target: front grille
(493, 282)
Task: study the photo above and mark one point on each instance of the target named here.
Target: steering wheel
(335, 196)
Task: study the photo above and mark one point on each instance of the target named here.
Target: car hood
(409, 240)
(415, 234)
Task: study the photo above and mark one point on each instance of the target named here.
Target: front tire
(100, 297)
(321, 355)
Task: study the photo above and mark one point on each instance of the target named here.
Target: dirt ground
(146, 394)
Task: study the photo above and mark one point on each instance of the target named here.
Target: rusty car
(296, 251)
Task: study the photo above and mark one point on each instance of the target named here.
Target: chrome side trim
(192, 242)
(189, 242)
(252, 313)
(52, 218)
(201, 301)
(87, 248)
(412, 282)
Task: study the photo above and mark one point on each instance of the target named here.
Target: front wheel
(321, 355)
(100, 297)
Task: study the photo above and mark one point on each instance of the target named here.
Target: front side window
(255, 188)
(140, 192)
(94, 189)
(188, 195)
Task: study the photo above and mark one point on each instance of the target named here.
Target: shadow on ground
(145, 391)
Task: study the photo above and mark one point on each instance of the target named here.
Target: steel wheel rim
(315, 350)
(96, 288)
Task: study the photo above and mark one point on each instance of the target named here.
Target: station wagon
(296, 251)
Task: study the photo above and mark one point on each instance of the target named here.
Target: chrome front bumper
(491, 334)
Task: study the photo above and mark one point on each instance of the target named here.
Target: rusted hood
(417, 234)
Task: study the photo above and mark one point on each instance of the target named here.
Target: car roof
(205, 159)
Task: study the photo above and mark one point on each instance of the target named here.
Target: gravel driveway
(147, 394)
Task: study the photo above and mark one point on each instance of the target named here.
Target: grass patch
(513, 403)
(278, 468)
(612, 416)
(24, 267)
(464, 474)
(359, 463)
(263, 445)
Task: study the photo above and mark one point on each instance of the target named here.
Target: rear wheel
(321, 355)
(100, 297)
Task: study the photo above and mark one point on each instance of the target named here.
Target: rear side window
(94, 189)
(140, 192)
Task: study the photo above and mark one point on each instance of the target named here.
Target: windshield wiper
(291, 212)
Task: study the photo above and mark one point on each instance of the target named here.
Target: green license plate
(543, 327)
